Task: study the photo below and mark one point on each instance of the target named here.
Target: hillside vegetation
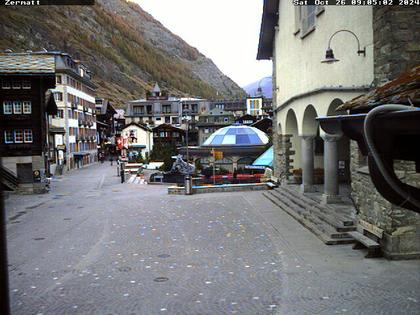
(126, 49)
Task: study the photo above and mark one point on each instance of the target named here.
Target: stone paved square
(96, 246)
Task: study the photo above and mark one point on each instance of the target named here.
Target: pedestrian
(111, 159)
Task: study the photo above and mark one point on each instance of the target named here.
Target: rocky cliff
(124, 46)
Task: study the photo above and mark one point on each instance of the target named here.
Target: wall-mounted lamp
(329, 54)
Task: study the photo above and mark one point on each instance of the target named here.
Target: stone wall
(401, 227)
(396, 41)
(282, 153)
(396, 49)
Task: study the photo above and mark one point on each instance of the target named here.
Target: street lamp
(329, 54)
(185, 116)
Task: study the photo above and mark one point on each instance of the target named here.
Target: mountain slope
(266, 85)
(126, 49)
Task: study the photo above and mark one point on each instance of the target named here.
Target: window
(138, 110)
(167, 120)
(8, 136)
(58, 96)
(27, 107)
(158, 119)
(175, 120)
(18, 136)
(166, 109)
(26, 84)
(307, 18)
(5, 85)
(175, 134)
(17, 107)
(27, 136)
(206, 130)
(7, 107)
(16, 85)
(58, 79)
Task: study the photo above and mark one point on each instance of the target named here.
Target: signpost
(217, 156)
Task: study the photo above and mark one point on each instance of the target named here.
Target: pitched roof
(156, 89)
(405, 89)
(137, 125)
(268, 22)
(27, 63)
(168, 127)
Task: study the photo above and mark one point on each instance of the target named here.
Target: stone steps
(323, 222)
(334, 216)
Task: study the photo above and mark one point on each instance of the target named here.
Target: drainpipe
(368, 135)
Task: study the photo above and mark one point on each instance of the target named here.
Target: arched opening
(292, 132)
(310, 127)
(309, 123)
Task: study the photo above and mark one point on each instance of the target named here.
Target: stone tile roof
(405, 89)
(26, 63)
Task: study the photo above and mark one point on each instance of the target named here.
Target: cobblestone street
(96, 246)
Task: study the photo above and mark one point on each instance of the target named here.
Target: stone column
(307, 162)
(331, 186)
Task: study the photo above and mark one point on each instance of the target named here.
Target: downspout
(368, 135)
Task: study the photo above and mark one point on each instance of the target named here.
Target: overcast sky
(226, 31)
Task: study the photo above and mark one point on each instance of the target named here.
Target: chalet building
(119, 117)
(168, 134)
(265, 125)
(139, 138)
(246, 119)
(236, 107)
(211, 121)
(75, 98)
(158, 109)
(24, 116)
(370, 46)
(106, 125)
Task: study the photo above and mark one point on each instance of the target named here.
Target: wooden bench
(364, 230)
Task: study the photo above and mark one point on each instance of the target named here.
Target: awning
(80, 153)
(265, 159)
(136, 146)
(57, 130)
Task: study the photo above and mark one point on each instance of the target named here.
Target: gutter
(386, 133)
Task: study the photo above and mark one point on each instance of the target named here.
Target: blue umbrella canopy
(237, 135)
